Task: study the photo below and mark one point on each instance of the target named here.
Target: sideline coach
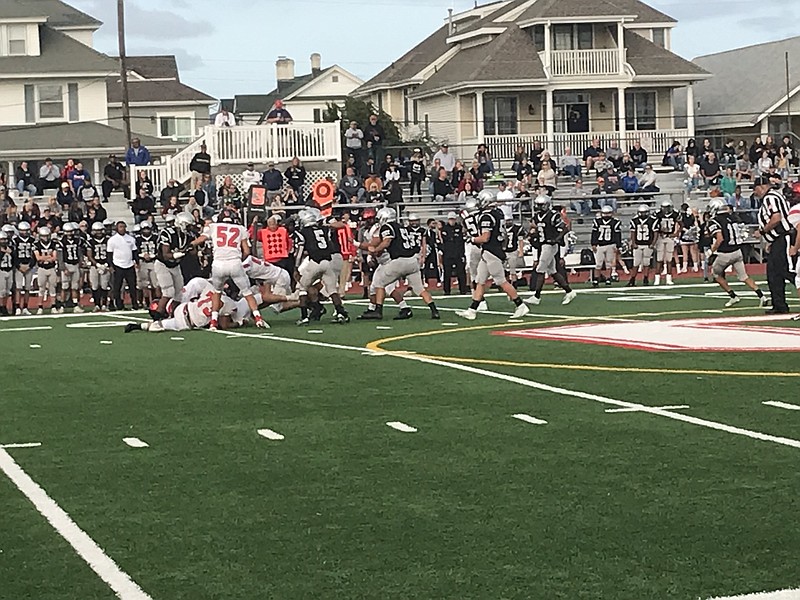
(123, 256)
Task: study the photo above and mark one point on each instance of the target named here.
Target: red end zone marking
(731, 334)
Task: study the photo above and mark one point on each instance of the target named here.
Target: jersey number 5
(227, 237)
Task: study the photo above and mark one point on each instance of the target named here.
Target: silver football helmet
(606, 211)
(644, 210)
(44, 233)
(3, 236)
(69, 228)
(9, 229)
(24, 227)
(170, 219)
(387, 215)
(306, 218)
(541, 203)
(486, 198)
(716, 206)
(413, 217)
(144, 226)
(97, 227)
(183, 221)
(667, 205)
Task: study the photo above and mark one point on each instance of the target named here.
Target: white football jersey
(195, 288)
(262, 271)
(794, 215)
(200, 309)
(383, 258)
(226, 240)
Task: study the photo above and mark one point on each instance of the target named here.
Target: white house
(305, 96)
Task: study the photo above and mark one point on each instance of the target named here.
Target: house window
(415, 111)
(17, 40)
(177, 128)
(50, 101)
(317, 115)
(573, 37)
(640, 111)
(334, 79)
(538, 37)
(500, 115)
(659, 37)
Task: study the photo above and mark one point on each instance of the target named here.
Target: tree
(359, 111)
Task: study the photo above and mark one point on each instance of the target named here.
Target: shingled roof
(647, 58)
(59, 54)
(58, 14)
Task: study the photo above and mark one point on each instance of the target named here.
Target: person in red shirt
(347, 244)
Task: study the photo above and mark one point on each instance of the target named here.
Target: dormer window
(17, 36)
(659, 37)
(573, 37)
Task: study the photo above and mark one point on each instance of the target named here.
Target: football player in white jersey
(274, 284)
(230, 245)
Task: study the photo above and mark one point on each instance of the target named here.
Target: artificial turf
(476, 504)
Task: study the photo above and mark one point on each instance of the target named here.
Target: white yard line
(785, 405)
(625, 410)
(793, 594)
(73, 315)
(135, 442)
(94, 556)
(25, 329)
(399, 426)
(28, 445)
(530, 419)
(271, 435)
(755, 435)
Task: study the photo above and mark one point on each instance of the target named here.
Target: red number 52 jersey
(227, 240)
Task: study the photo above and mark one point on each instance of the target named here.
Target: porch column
(690, 110)
(547, 47)
(765, 126)
(96, 175)
(10, 179)
(479, 130)
(621, 120)
(548, 126)
(621, 47)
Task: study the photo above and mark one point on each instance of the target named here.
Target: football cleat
(733, 301)
(669, 280)
(26, 312)
(569, 297)
(521, 311)
(483, 307)
(533, 300)
(763, 301)
(18, 312)
(213, 326)
(40, 311)
(340, 319)
(303, 321)
(645, 281)
(435, 314)
(132, 327)
(77, 309)
(657, 280)
(404, 314)
(371, 315)
(470, 314)
(631, 283)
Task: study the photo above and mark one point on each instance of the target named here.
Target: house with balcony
(560, 72)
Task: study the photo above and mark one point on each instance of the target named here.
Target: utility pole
(123, 71)
(788, 99)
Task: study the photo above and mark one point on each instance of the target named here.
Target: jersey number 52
(227, 237)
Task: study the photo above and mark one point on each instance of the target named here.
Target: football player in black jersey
(550, 228)
(24, 262)
(606, 241)
(173, 244)
(469, 217)
(6, 272)
(72, 250)
(668, 231)
(99, 269)
(643, 236)
(514, 248)
(491, 240)
(146, 246)
(403, 250)
(431, 253)
(46, 252)
(726, 251)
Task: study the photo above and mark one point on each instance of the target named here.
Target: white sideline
(94, 556)
(785, 405)
(25, 329)
(30, 445)
(793, 594)
(765, 437)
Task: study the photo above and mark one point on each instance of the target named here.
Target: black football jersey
(732, 239)
(23, 251)
(550, 227)
(72, 249)
(606, 232)
(418, 232)
(403, 244)
(432, 242)
(176, 240)
(99, 249)
(333, 237)
(7, 258)
(643, 229)
(493, 222)
(49, 248)
(147, 246)
(471, 226)
(512, 238)
(665, 222)
(317, 243)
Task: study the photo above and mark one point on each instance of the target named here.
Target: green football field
(526, 466)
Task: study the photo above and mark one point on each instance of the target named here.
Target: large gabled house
(57, 93)
(557, 71)
(306, 96)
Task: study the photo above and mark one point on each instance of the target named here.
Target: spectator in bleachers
(614, 154)
(456, 174)
(504, 194)
(51, 220)
(474, 183)
(374, 194)
(351, 188)
(272, 179)
(137, 154)
(370, 169)
(229, 191)
(692, 149)
(191, 205)
(173, 189)
(442, 187)
(524, 171)
(296, 176)
(582, 206)
(66, 172)
(224, 118)
(764, 162)
(78, 178)
(9, 215)
(416, 173)
(694, 179)
(601, 164)
(728, 154)
(30, 213)
(547, 177)
(519, 153)
(383, 167)
(200, 165)
(535, 155)
(569, 164)
(647, 183)
(710, 170)
(737, 201)
(393, 192)
(446, 159)
(250, 177)
(600, 190)
(769, 146)
(54, 206)
(638, 155)
(728, 185)
(485, 163)
(592, 153)
(741, 150)
(374, 135)
(476, 171)
(143, 183)
(392, 174)
(756, 150)
(279, 114)
(626, 163)
(114, 178)
(674, 156)
(744, 170)
(87, 191)
(143, 207)
(209, 190)
(172, 207)
(707, 150)
(466, 190)
(24, 179)
(783, 162)
(354, 144)
(522, 190)
(77, 211)
(630, 182)
(65, 197)
(786, 144)
(49, 177)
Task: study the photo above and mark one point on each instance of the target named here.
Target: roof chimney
(284, 69)
(449, 21)
(316, 64)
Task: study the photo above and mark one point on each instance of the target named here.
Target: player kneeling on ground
(403, 248)
(726, 251)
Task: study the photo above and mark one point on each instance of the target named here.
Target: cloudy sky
(230, 47)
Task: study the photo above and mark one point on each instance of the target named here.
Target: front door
(577, 118)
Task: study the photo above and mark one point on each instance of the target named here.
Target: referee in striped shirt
(773, 221)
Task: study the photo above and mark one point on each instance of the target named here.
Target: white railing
(577, 63)
(250, 143)
(656, 142)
